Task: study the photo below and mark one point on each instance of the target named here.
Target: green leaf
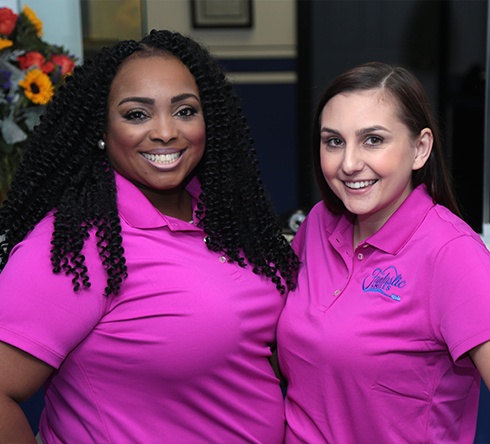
(11, 132)
(31, 116)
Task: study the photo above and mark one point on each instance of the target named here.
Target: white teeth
(357, 185)
(162, 158)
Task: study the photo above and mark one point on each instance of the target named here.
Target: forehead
(155, 72)
(361, 105)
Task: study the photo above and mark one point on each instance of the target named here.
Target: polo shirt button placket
(337, 292)
(360, 256)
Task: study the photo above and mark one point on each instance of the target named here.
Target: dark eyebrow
(329, 130)
(148, 101)
(184, 96)
(370, 129)
(145, 100)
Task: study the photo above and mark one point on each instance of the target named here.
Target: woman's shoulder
(41, 234)
(450, 225)
(321, 212)
(321, 216)
(320, 222)
(36, 248)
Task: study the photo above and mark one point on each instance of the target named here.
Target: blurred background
(280, 54)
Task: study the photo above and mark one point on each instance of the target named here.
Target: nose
(164, 129)
(352, 161)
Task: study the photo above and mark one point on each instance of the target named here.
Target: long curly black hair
(63, 170)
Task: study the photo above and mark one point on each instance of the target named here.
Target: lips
(163, 159)
(360, 184)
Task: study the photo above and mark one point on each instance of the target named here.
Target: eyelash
(378, 140)
(188, 110)
(185, 112)
(335, 142)
(135, 115)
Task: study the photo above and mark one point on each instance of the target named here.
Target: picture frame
(222, 13)
(106, 22)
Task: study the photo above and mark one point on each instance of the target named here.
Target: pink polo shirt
(373, 342)
(180, 356)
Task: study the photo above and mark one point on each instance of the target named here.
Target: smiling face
(155, 133)
(367, 155)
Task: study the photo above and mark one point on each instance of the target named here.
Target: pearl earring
(101, 144)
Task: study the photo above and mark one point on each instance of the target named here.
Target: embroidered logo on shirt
(384, 282)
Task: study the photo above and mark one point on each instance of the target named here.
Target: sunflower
(38, 87)
(5, 43)
(32, 17)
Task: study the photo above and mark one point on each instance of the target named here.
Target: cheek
(121, 145)
(197, 138)
(327, 165)
(198, 135)
(124, 135)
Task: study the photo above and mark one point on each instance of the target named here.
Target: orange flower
(37, 87)
(5, 43)
(64, 62)
(33, 18)
(8, 20)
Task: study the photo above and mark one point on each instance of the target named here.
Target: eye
(374, 140)
(187, 111)
(333, 142)
(135, 115)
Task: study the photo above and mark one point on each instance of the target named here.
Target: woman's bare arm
(481, 357)
(21, 376)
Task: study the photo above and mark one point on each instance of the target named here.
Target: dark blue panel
(271, 114)
(483, 427)
(33, 408)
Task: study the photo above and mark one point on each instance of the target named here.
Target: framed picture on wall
(106, 22)
(221, 13)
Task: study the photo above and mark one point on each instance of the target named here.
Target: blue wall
(272, 120)
(270, 109)
(483, 428)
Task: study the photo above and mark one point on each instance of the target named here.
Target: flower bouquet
(31, 70)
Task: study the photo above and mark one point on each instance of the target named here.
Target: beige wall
(273, 34)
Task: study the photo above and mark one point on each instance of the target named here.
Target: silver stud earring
(101, 144)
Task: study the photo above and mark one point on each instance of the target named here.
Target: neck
(175, 203)
(357, 236)
(363, 230)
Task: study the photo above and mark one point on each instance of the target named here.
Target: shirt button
(336, 292)
(365, 246)
(222, 259)
(360, 256)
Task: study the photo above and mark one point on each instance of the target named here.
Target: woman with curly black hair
(143, 267)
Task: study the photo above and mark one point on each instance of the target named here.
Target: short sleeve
(40, 313)
(460, 295)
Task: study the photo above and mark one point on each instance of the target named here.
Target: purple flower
(5, 79)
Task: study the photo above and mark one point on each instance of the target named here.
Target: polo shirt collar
(403, 223)
(138, 211)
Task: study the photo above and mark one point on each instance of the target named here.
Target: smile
(163, 158)
(359, 185)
